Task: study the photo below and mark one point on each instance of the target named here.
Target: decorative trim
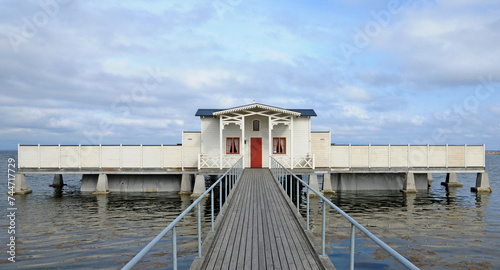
(258, 106)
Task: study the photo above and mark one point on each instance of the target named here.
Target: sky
(135, 72)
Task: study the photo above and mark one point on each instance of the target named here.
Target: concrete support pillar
(313, 182)
(185, 184)
(102, 185)
(327, 184)
(199, 186)
(451, 181)
(58, 181)
(482, 183)
(409, 186)
(429, 178)
(21, 186)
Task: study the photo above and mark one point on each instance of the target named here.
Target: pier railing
(407, 156)
(99, 156)
(284, 176)
(297, 162)
(216, 162)
(229, 179)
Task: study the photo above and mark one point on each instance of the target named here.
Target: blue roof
(206, 112)
(210, 112)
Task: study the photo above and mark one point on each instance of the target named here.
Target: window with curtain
(279, 145)
(232, 145)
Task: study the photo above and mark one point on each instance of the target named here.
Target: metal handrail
(231, 176)
(279, 170)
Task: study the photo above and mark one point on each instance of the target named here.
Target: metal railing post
(307, 219)
(174, 248)
(220, 197)
(291, 189)
(225, 189)
(297, 197)
(324, 229)
(286, 183)
(212, 208)
(199, 231)
(353, 238)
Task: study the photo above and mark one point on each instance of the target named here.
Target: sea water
(442, 228)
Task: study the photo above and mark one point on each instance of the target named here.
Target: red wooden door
(256, 152)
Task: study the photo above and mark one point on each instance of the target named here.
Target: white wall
(209, 136)
(301, 136)
(320, 147)
(191, 148)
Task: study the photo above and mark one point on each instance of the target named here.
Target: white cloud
(121, 67)
(68, 78)
(417, 120)
(354, 93)
(445, 45)
(354, 111)
(495, 109)
(201, 79)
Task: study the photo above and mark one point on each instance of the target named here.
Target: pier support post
(313, 182)
(429, 178)
(327, 184)
(409, 186)
(451, 181)
(185, 184)
(199, 186)
(21, 186)
(482, 183)
(58, 181)
(102, 185)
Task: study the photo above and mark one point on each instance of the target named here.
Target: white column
(446, 155)
(161, 158)
(79, 156)
(409, 163)
(270, 139)
(369, 155)
(39, 162)
(350, 156)
(465, 155)
(242, 143)
(100, 156)
(428, 155)
(484, 155)
(121, 156)
(389, 149)
(291, 142)
(59, 149)
(221, 127)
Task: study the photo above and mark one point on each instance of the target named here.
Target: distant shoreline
(492, 152)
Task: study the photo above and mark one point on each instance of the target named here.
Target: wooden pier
(259, 230)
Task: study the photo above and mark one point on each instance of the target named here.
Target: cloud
(81, 77)
(354, 111)
(354, 93)
(445, 44)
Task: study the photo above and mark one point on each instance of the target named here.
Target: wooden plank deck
(259, 230)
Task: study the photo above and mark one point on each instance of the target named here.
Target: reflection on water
(440, 229)
(88, 231)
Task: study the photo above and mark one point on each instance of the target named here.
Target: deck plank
(259, 230)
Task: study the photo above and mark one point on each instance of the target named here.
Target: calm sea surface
(439, 229)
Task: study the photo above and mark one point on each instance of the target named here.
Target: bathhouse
(255, 132)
